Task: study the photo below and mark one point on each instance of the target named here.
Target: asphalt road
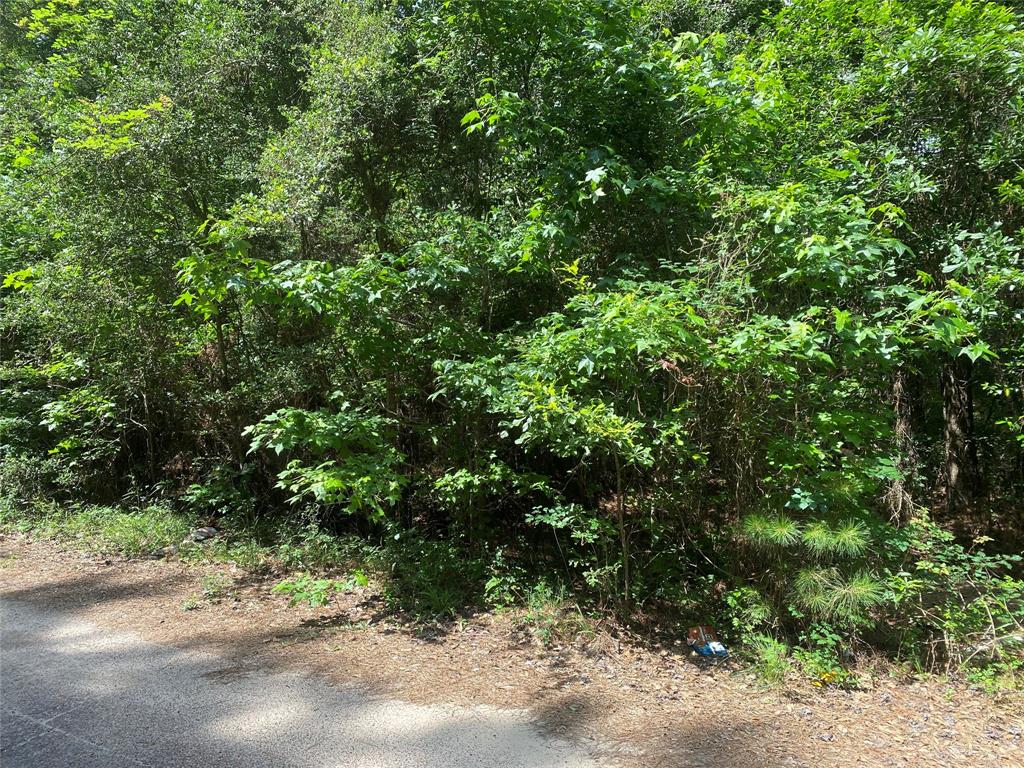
(75, 695)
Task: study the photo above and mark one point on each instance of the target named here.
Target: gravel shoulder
(596, 702)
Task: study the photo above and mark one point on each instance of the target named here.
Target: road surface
(76, 695)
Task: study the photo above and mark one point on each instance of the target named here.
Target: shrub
(954, 607)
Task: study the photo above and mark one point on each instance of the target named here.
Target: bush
(953, 607)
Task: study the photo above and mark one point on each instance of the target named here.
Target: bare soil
(634, 706)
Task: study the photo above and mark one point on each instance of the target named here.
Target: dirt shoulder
(635, 707)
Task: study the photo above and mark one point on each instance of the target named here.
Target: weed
(745, 611)
(312, 548)
(245, 552)
(1006, 674)
(429, 579)
(769, 659)
(318, 592)
(551, 617)
(820, 658)
(215, 585)
(506, 585)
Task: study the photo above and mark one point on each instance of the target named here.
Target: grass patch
(107, 530)
(769, 659)
(552, 618)
(427, 580)
(279, 546)
(141, 531)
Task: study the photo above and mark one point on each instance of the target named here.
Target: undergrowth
(430, 581)
(104, 529)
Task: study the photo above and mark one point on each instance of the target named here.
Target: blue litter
(705, 642)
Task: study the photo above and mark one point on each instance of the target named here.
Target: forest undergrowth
(660, 312)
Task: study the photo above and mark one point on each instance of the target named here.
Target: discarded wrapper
(705, 642)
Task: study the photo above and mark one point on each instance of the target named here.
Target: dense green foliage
(694, 308)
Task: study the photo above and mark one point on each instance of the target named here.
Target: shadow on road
(77, 695)
(226, 701)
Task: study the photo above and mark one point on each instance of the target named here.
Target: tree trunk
(235, 436)
(958, 478)
(899, 497)
(620, 508)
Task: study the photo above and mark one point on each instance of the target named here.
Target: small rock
(159, 554)
(202, 534)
